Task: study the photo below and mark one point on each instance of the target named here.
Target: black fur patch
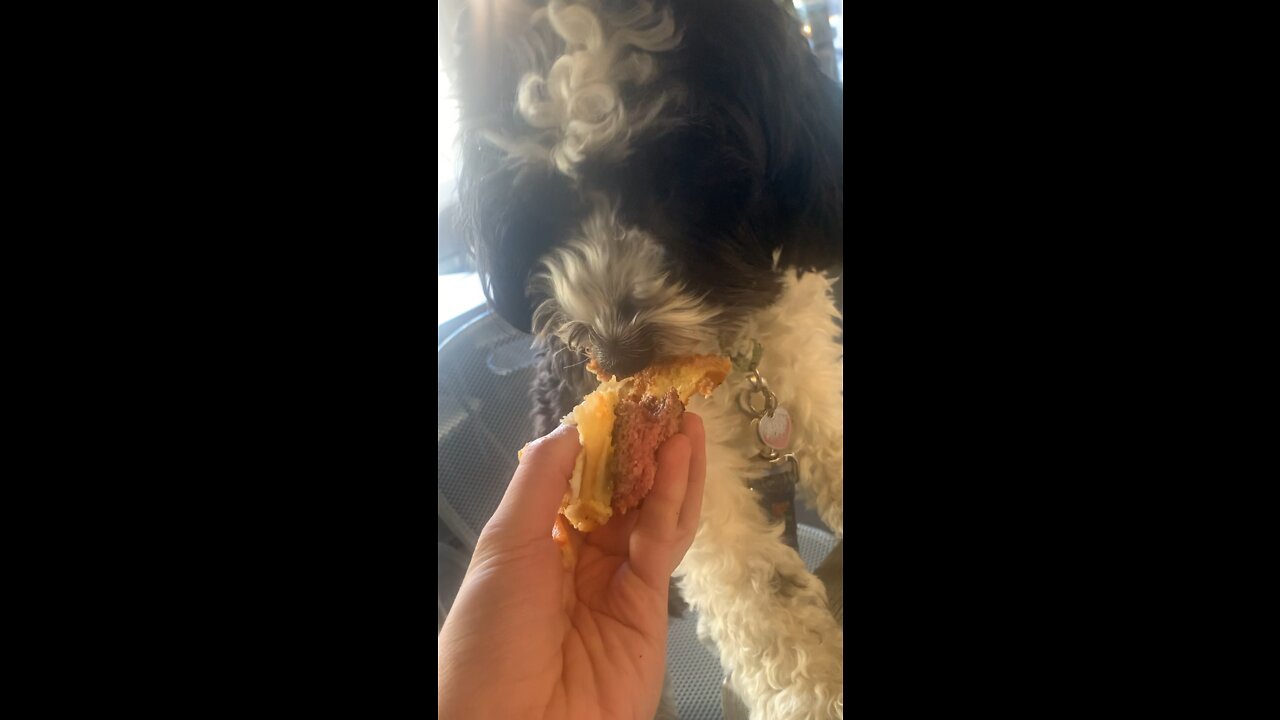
(751, 162)
(513, 219)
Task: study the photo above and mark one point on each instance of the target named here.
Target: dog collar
(771, 421)
(747, 359)
(772, 426)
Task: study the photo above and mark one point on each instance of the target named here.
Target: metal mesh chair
(485, 372)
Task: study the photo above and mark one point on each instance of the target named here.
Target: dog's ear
(511, 214)
(512, 219)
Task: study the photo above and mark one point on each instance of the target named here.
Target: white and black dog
(642, 181)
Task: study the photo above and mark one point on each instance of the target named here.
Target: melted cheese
(590, 489)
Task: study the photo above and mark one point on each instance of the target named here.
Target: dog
(642, 181)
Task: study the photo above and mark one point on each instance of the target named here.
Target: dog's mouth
(622, 361)
(655, 364)
(608, 370)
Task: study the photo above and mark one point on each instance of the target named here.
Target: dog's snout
(622, 360)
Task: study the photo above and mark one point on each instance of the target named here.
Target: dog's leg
(818, 436)
(764, 611)
(804, 366)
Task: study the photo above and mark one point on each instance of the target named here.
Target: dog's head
(635, 177)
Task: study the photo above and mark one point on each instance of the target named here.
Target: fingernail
(560, 430)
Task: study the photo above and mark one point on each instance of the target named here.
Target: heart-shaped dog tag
(775, 430)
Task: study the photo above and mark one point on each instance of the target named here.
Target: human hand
(528, 637)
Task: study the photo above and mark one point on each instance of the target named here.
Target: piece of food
(560, 533)
(620, 426)
(639, 427)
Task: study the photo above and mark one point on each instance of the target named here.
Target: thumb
(533, 498)
(655, 541)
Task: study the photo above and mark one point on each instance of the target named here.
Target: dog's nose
(623, 361)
